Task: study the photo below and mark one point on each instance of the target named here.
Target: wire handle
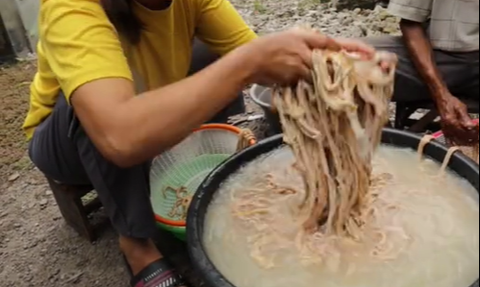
(451, 151)
(246, 138)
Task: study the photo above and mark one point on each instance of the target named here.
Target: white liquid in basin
(442, 219)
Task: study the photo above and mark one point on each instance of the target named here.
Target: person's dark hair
(122, 17)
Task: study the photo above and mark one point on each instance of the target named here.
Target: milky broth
(442, 218)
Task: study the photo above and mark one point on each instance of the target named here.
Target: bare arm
(129, 130)
(456, 122)
(421, 52)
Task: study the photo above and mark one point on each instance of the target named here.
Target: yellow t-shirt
(78, 44)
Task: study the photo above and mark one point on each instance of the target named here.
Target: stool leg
(72, 209)
(402, 115)
(422, 124)
(399, 116)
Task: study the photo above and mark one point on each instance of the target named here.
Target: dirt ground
(36, 247)
(14, 85)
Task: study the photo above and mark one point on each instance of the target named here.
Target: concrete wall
(15, 25)
(5, 48)
(28, 10)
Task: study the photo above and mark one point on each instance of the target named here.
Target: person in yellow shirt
(120, 81)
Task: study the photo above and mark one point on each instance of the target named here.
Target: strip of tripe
(334, 126)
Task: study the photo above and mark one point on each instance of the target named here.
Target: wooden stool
(405, 110)
(75, 213)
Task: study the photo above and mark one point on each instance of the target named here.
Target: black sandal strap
(158, 273)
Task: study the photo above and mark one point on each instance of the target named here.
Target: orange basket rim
(173, 223)
(225, 127)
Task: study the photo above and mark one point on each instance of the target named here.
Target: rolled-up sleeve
(413, 10)
(221, 27)
(80, 44)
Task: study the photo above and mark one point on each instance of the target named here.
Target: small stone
(390, 28)
(392, 20)
(32, 182)
(383, 15)
(48, 192)
(43, 202)
(14, 177)
(313, 14)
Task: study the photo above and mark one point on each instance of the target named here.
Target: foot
(139, 253)
(147, 266)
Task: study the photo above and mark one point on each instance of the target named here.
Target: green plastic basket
(178, 232)
(186, 166)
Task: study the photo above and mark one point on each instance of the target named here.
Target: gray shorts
(61, 149)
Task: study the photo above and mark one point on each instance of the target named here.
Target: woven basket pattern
(470, 151)
(184, 167)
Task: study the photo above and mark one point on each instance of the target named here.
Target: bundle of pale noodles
(334, 128)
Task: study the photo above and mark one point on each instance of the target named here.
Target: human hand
(457, 124)
(286, 57)
(357, 47)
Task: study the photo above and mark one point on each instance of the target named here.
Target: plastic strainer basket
(471, 151)
(186, 166)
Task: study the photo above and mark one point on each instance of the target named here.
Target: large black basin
(461, 164)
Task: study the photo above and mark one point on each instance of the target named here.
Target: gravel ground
(268, 16)
(36, 246)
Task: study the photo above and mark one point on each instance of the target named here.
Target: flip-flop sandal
(157, 274)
